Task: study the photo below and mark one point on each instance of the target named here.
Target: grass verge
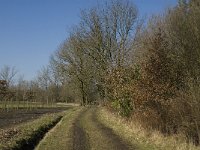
(26, 136)
(60, 137)
(135, 134)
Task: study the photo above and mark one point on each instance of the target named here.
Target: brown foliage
(167, 94)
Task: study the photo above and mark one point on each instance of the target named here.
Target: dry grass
(60, 136)
(145, 139)
(14, 105)
(95, 135)
(29, 133)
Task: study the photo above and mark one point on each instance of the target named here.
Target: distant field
(15, 117)
(30, 105)
(13, 113)
(26, 135)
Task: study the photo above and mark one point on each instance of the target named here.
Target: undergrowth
(134, 133)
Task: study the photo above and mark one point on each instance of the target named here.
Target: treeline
(146, 71)
(43, 91)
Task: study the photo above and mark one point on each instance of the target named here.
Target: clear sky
(31, 30)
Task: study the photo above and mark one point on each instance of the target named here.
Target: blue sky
(31, 30)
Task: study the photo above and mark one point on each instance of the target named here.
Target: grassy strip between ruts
(135, 134)
(60, 137)
(27, 135)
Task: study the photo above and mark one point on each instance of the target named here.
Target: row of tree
(147, 71)
(44, 90)
(101, 43)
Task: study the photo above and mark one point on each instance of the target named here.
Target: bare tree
(44, 81)
(8, 73)
(100, 43)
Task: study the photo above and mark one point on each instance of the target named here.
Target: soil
(81, 139)
(118, 143)
(80, 133)
(15, 117)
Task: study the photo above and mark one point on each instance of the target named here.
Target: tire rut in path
(80, 139)
(118, 143)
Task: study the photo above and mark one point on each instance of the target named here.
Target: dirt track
(82, 130)
(80, 139)
(90, 133)
(117, 142)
